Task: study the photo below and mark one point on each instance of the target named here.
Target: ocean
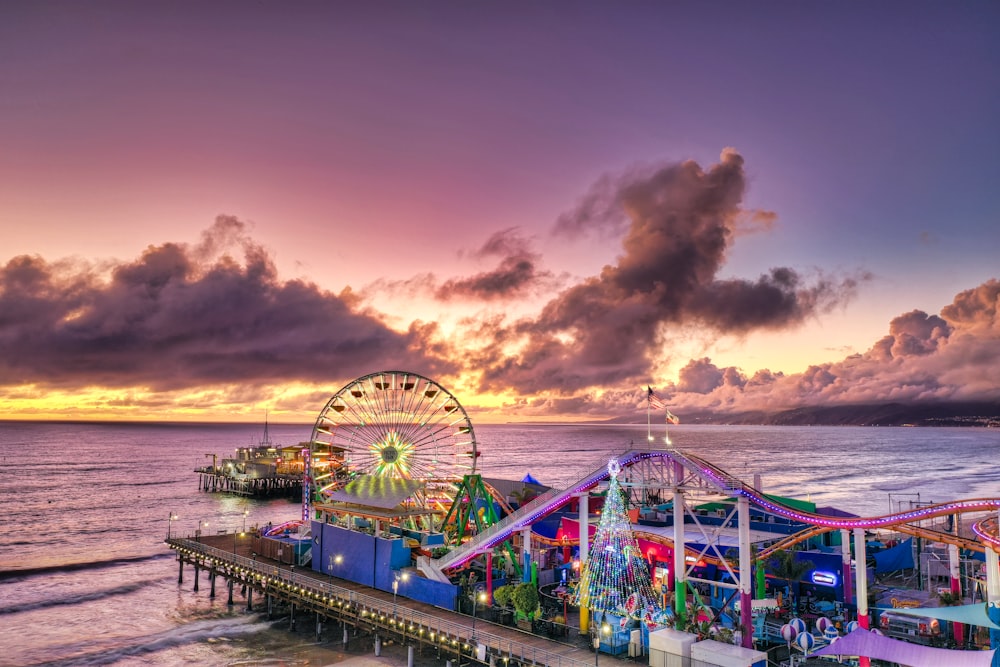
(85, 578)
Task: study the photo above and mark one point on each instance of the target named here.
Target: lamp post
(477, 597)
(604, 630)
(197, 534)
(245, 513)
(170, 519)
(395, 588)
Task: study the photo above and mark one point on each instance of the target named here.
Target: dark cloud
(515, 275)
(678, 222)
(182, 316)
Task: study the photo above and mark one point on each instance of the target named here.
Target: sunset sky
(209, 210)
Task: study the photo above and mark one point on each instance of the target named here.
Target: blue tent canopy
(528, 479)
(899, 557)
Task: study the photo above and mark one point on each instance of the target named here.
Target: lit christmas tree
(615, 578)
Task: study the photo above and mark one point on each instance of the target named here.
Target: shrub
(525, 598)
(501, 596)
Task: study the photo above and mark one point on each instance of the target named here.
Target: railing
(423, 626)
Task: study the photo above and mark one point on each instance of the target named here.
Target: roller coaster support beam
(584, 523)
(526, 554)
(845, 552)
(956, 589)
(861, 557)
(746, 569)
(680, 566)
(489, 577)
(993, 592)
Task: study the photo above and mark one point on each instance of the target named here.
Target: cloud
(516, 274)
(677, 223)
(181, 316)
(954, 356)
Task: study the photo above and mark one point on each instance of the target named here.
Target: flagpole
(649, 427)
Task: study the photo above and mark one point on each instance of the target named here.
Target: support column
(180, 571)
(954, 563)
(230, 600)
(680, 566)
(409, 656)
(378, 646)
(861, 557)
(993, 593)
(584, 523)
(196, 577)
(249, 598)
(489, 576)
(845, 556)
(746, 575)
(319, 626)
(291, 617)
(526, 554)
(345, 635)
(211, 583)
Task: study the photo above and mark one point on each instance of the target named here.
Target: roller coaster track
(724, 481)
(987, 531)
(526, 515)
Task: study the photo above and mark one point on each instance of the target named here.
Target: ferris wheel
(393, 424)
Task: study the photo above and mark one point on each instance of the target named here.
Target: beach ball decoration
(831, 634)
(822, 623)
(852, 626)
(798, 624)
(805, 641)
(788, 632)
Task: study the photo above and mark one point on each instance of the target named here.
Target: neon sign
(821, 578)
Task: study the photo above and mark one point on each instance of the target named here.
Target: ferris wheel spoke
(392, 424)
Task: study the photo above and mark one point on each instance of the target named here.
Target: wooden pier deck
(452, 634)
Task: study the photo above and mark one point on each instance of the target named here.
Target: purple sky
(544, 206)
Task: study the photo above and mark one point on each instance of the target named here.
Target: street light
(245, 513)
(477, 597)
(201, 524)
(234, 540)
(605, 630)
(170, 519)
(395, 588)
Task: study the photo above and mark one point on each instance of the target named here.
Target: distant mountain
(938, 413)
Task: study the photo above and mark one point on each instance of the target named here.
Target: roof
(505, 487)
(376, 491)
(863, 642)
(368, 512)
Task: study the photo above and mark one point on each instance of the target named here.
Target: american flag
(656, 403)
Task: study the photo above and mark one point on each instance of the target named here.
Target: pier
(217, 479)
(270, 585)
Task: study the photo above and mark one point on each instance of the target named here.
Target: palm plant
(784, 565)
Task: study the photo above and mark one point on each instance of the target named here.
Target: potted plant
(502, 599)
(559, 628)
(525, 599)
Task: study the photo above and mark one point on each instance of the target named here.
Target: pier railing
(429, 628)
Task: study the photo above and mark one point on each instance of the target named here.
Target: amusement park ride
(391, 484)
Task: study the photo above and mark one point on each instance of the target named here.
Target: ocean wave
(25, 573)
(76, 599)
(198, 631)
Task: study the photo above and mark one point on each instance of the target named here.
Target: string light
(615, 578)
